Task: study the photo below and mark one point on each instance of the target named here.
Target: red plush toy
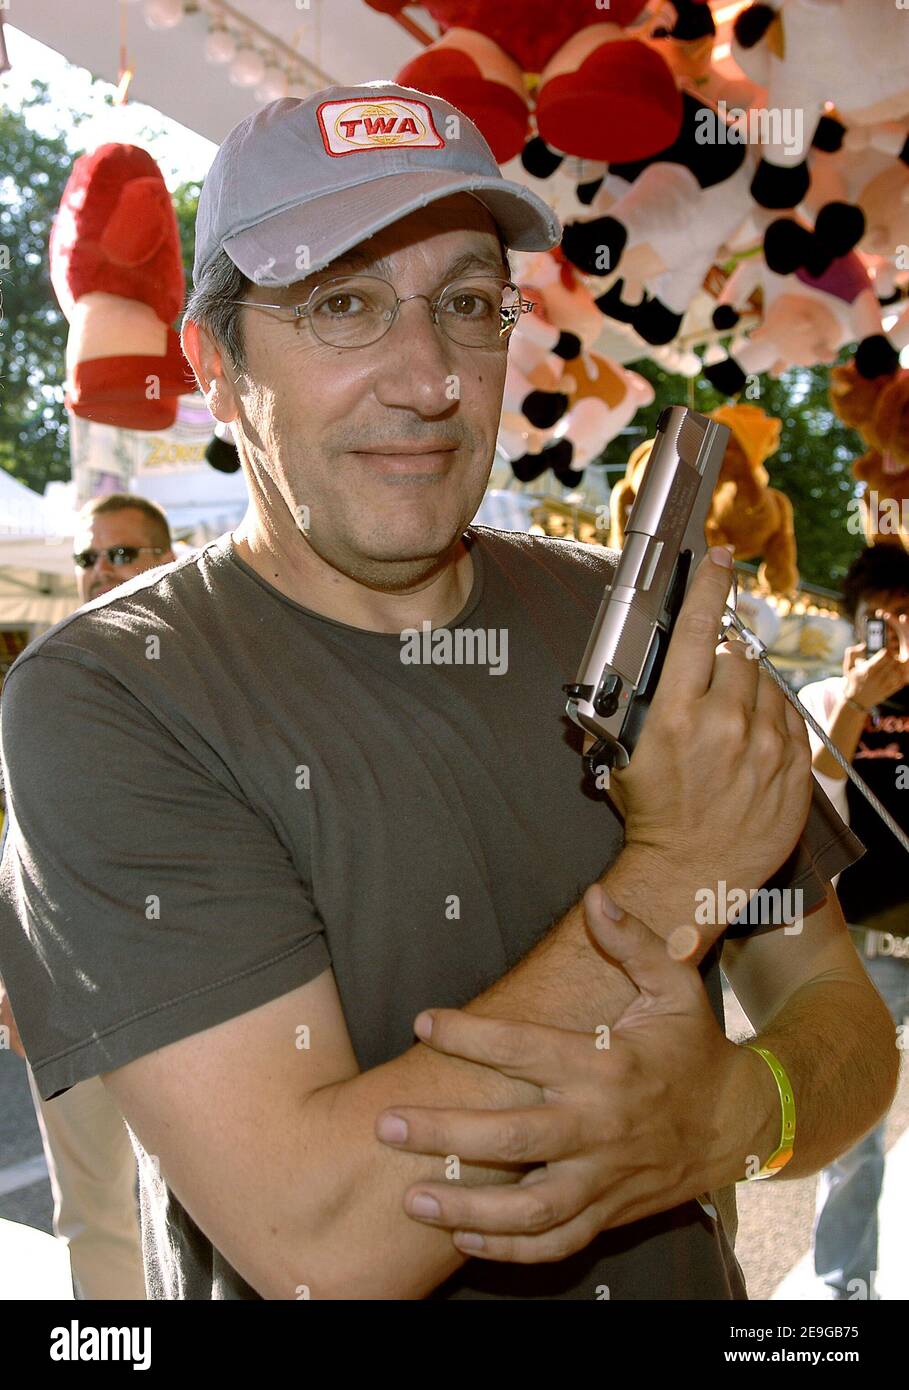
(116, 269)
(601, 95)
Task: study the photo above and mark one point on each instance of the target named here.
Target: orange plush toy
(879, 410)
(116, 269)
(746, 512)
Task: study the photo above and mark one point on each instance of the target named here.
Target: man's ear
(213, 371)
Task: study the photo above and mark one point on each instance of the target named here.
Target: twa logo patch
(350, 126)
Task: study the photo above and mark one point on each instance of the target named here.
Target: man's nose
(416, 361)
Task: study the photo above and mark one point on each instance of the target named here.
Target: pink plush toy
(599, 93)
(806, 319)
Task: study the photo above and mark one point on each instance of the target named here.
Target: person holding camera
(866, 715)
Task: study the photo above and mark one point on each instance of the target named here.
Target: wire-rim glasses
(351, 311)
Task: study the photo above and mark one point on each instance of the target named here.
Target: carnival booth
(733, 181)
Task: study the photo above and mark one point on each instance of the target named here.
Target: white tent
(37, 587)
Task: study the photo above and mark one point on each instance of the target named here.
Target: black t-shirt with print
(879, 881)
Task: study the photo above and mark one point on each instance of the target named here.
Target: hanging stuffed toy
(599, 93)
(879, 411)
(884, 499)
(685, 37)
(806, 320)
(810, 52)
(858, 198)
(598, 397)
(116, 269)
(658, 240)
(745, 512)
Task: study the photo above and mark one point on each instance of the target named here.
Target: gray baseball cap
(299, 182)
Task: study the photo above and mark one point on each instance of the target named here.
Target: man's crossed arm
(274, 1153)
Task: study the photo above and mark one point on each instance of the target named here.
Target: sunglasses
(116, 555)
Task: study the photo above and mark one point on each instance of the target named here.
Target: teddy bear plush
(879, 411)
(746, 512)
(598, 93)
(884, 499)
(116, 269)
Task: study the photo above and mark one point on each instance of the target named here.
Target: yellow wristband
(781, 1156)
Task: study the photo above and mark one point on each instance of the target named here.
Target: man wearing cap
(284, 838)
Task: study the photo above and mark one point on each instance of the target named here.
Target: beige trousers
(92, 1169)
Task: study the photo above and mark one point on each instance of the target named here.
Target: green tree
(33, 431)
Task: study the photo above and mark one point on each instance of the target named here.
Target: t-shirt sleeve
(825, 848)
(142, 898)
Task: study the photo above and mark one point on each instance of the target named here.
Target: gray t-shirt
(216, 794)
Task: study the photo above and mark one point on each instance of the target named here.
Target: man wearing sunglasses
(288, 841)
(118, 537)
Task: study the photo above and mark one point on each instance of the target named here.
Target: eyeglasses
(116, 555)
(478, 311)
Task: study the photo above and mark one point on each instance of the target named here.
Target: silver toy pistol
(664, 542)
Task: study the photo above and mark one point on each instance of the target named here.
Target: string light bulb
(247, 68)
(220, 45)
(163, 14)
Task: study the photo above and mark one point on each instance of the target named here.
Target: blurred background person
(865, 712)
(90, 1160)
(117, 537)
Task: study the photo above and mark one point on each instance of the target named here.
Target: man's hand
(719, 783)
(633, 1122)
(7, 1021)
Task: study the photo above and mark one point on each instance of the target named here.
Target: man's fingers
(520, 1208)
(688, 667)
(528, 1051)
(735, 675)
(534, 1134)
(658, 967)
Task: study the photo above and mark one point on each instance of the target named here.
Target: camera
(875, 635)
